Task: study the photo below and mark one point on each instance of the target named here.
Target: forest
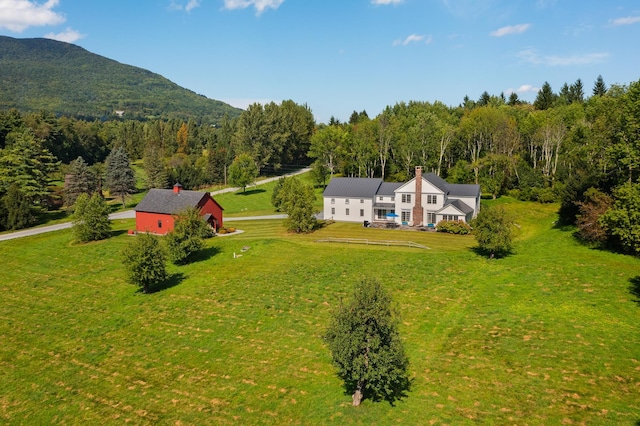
(581, 151)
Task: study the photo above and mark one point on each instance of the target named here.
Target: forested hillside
(64, 79)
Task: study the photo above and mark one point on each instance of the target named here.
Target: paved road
(131, 214)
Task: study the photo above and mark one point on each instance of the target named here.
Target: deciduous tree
(493, 231)
(91, 218)
(366, 347)
(296, 199)
(187, 236)
(622, 220)
(243, 171)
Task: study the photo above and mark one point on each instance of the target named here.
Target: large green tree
(493, 229)
(296, 199)
(187, 236)
(366, 347)
(154, 168)
(622, 220)
(28, 165)
(121, 179)
(15, 209)
(91, 218)
(144, 261)
(243, 171)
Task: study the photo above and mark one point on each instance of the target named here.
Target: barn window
(159, 224)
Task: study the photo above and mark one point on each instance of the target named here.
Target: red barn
(156, 211)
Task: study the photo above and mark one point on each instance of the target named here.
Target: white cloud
(18, 15)
(413, 38)
(629, 20)
(191, 4)
(525, 88)
(511, 29)
(259, 5)
(532, 57)
(386, 2)
(69, 36)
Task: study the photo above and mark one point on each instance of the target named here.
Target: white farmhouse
(423, 201)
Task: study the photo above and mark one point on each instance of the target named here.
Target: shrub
(454, 227)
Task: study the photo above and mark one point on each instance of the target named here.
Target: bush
(454, 227)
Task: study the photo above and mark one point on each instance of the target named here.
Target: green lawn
(547, 336)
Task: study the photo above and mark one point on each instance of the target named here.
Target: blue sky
(338, 56)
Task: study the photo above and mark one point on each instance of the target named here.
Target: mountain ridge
(68, 80)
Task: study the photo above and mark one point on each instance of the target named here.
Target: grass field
(548, 335)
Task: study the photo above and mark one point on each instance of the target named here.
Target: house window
(381, 198)
(333, 210)
(333, 201)
(361, 212)
(449, 217)
(159, 224)
(393, 198)
(382, 214)
(432, 199)
(431, 218)
(405, 216)
(346, 201)
(406, 198)
(361, 201)
(347, 212)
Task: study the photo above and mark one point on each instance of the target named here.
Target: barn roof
(166, 201)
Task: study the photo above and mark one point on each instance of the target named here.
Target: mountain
(62, 78)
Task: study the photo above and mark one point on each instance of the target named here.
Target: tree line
(552, 150)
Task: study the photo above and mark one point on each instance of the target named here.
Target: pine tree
(599, 88)
(80, 180)
(545, 97)
(576, 92)
(366, 347)
(17, 208)
(121, 179)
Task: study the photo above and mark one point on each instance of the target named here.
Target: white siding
(340, 206)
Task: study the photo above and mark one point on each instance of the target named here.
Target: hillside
(42, 74)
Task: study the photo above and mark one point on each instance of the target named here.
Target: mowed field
(549, 335)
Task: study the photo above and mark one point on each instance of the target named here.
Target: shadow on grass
(115, 233)
(488, 255)
(398, 391)
(252, 191)
(172, 281)
(204, 254)
(634, 289)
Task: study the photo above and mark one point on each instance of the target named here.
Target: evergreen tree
(215, 170)
(144, 262)
(513, 99)
(79, 180)
(187, 236)
(121, 180)
(493, 231)
(484, 99)
(243, 171)
(366, 347)
(17, 208)
(576, 92)
(28, 165)
(599, 88)
(91, 218)
(545, 97)
(154, 168)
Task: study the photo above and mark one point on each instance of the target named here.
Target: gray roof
(461, 206)
(352, 187)
(464, 190)
(165, 201)
(438, 182)
(388, 188)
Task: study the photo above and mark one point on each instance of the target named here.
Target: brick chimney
(176, 188)
(418, 210)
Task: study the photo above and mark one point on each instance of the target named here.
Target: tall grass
(548, 335)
